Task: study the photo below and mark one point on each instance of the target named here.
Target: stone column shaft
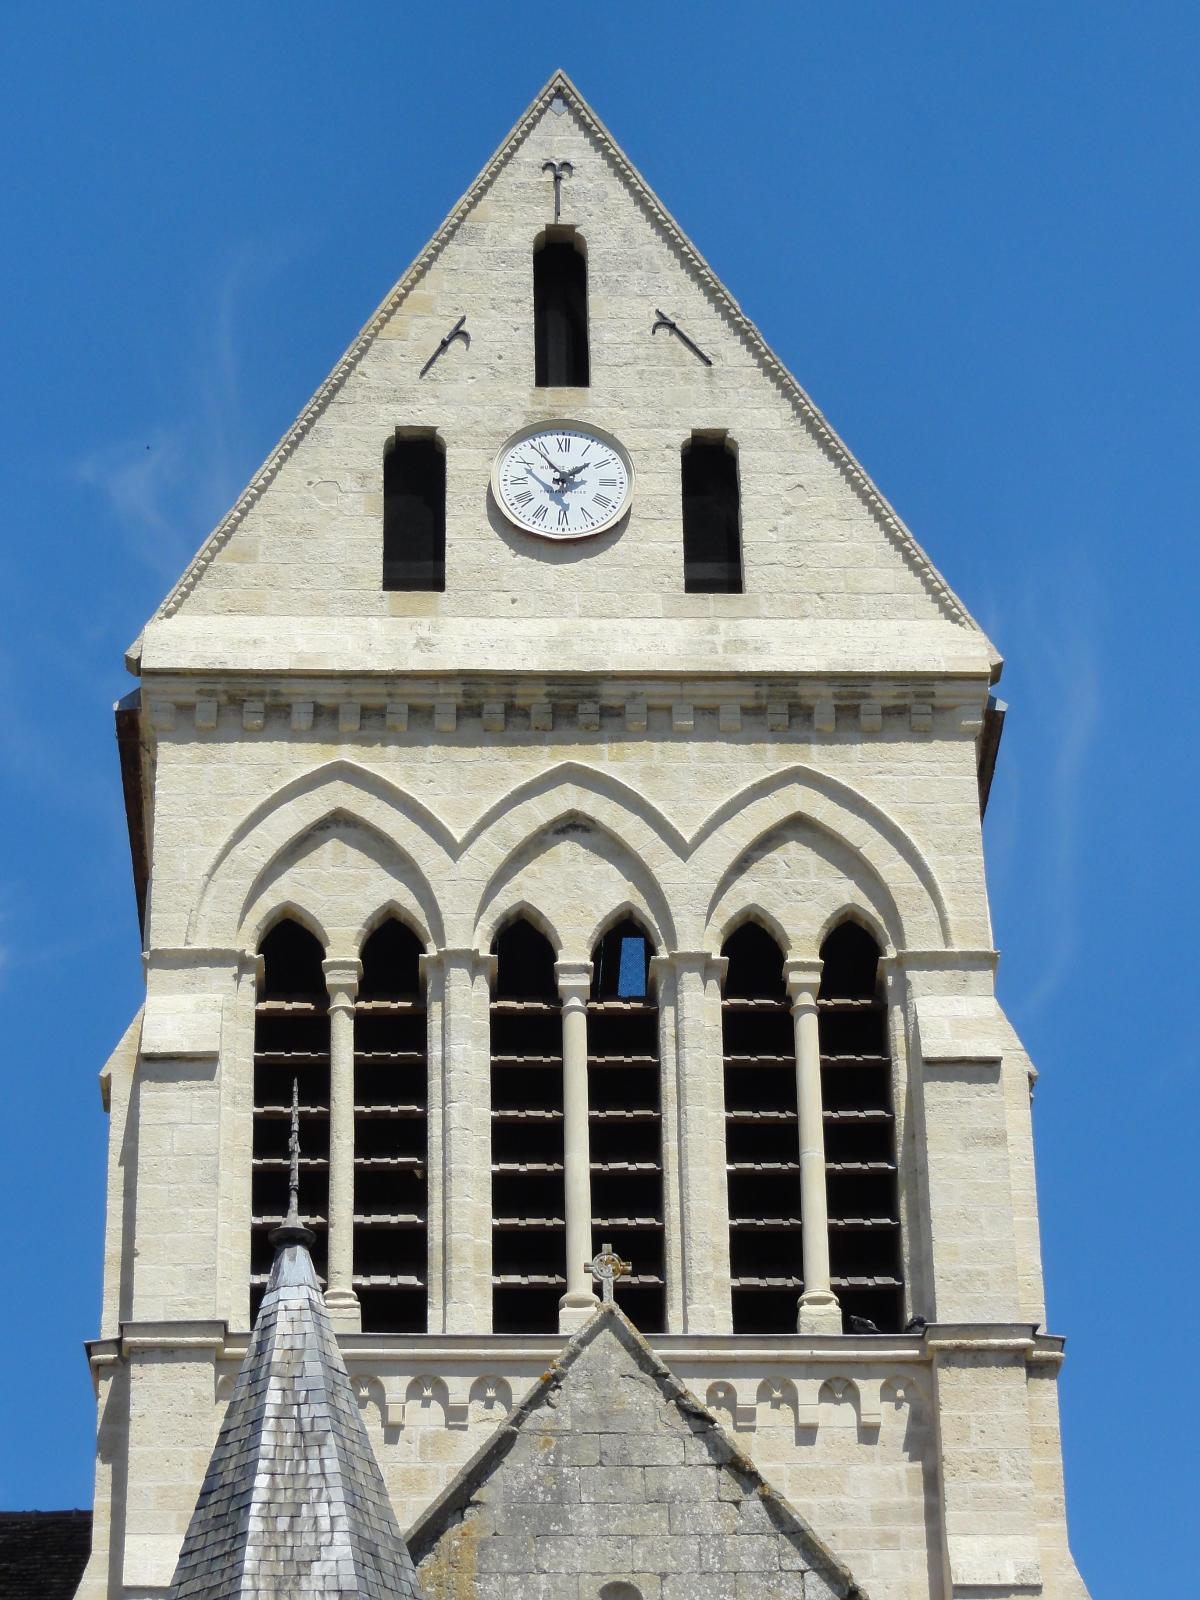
(818, 1311)
(693, 978)
(341, 976)
(462, 977)
(574, 985)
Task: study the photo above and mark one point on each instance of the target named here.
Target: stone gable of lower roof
(611, 1474)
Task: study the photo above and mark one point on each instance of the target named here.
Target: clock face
(562, 480)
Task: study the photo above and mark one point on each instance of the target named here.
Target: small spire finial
(292, 1229)
(293, 1211)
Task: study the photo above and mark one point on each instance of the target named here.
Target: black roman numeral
(563, 446)
(603, 500)
(539, 515)
(523, 499)
(564, 520)
(609, 483)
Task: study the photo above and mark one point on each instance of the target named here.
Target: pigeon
(915, 1325)
(861, 1325)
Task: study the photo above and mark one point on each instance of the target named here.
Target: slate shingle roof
(43, 1553)
(293, 1504)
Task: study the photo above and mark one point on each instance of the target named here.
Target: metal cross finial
(561, 170)
(606, 1267)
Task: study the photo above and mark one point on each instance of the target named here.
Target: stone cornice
(560, 86)
(345, 708)
(498, 1350)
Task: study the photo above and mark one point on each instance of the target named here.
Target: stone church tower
(564, 766)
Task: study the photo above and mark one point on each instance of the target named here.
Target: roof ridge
(826, 436)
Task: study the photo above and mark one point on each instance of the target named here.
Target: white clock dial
(562, 480)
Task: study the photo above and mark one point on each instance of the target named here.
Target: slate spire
(293, 1503)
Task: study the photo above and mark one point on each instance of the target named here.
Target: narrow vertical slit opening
(561, 355)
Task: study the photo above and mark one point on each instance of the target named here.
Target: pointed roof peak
(293, 1502)
(559, 87)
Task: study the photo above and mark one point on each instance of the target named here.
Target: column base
(574, 1310)
(818, 1312)
(345, 1313)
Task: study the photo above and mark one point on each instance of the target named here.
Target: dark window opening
(528, 1221)
(761, 1135)
(625, 1121)
(291, 1045)
(860, 1130)
(524, 964)
(292, 960)
(621, 963)
(755, 965)
(391, 960)
(560, 316)
(414, 515)
(712, 530)
(390, 1134)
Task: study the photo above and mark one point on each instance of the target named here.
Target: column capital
(437, 963)
(803, 979)
(676, 962)
(574, 979)
(342, 975)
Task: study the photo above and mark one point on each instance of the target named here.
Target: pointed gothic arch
(337, 790)
(919, 909)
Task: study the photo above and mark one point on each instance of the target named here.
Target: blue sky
(970, 230)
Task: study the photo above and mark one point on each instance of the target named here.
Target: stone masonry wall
(611, 1479)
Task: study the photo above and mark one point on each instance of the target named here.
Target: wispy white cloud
(1070, 674)
(143, 483)
(166, 488)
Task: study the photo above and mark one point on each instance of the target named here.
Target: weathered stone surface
(517, 1513)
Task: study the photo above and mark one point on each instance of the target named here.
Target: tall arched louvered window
(560, 313)
(761, 1136)
(291, 1044)
(625, 1120)
(528, 1222)
(390, 1134)
(860, 1136)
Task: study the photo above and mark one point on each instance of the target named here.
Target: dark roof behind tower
(43, 1553)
